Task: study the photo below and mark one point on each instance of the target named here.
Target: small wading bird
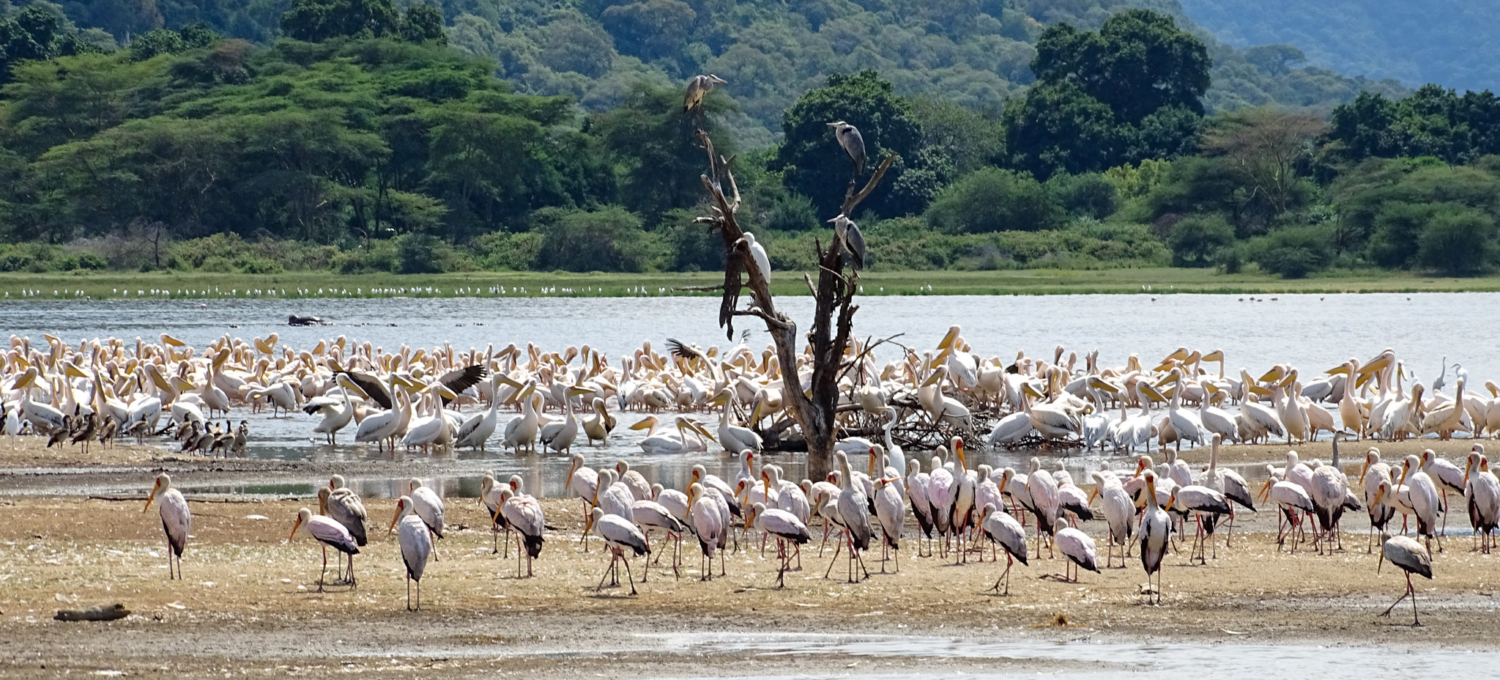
(698, 88)
(416, 547)
(176, 520)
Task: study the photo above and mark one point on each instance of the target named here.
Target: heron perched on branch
(698, 88)
(853, 143)
(851, 239)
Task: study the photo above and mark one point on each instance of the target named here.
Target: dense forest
(1416, 41)
(355, 135)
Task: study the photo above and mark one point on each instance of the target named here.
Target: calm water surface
(1314, 332)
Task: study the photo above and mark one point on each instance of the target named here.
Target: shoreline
(325, 285)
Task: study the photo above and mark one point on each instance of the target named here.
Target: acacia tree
(833, 315)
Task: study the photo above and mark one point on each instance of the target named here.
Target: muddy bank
(249, 602)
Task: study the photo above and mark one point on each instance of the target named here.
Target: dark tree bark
(833, 316)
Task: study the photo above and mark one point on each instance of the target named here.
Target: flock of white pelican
(416, 398)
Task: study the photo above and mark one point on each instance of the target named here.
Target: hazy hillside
(976, 53)
(1448, 42)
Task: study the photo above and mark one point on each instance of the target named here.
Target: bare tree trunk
(833, 315)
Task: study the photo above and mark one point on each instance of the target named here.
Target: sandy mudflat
(248, 603)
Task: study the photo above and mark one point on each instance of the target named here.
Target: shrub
(420, 254)
(1294, 252)
(1457, 243)
(991, 200)
(609, 239)
(1196, 239)
(1086, 195)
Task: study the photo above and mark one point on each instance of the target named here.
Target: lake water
(1314, 332)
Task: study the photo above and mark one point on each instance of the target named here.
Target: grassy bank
(113, 285)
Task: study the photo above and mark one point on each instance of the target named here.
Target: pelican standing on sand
(176, 520)
(416, 546)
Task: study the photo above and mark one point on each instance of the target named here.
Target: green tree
(1294, 252)
(319, 20)
(991, 200)
(1059, 128)
(159, 41)
(423, 23)
(609, 239)
(810, 158)
(655, 29)
(39, 32)
(1197, 239)
(1458, 243)
(656, 147)
(1138, 62)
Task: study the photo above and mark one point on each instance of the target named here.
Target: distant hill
(1448, 42)
(974, 52)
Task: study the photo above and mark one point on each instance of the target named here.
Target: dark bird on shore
(853, 144)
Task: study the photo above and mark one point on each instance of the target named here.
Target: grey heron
(851, 239)
(176, 520)
(853, 144)
(697, 88)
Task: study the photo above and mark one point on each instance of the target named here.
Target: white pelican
(337, 412)
(1155, 530)
(1001, 528)
(476, 431)
(331, 534)
(431, 430)
(560, 436)
(619, 534)
(416, 546)
(1079, 549)
(524, 514)
(1411, 557)
(668, 443)
(385, 425)
(176, 520)
(708, 524)
(734, 438)
(598, 426)
(785, 527)
(890, 509)
(521, 431)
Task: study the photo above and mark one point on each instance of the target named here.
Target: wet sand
(249, 605)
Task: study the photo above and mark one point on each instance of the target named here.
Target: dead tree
(833, 316)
